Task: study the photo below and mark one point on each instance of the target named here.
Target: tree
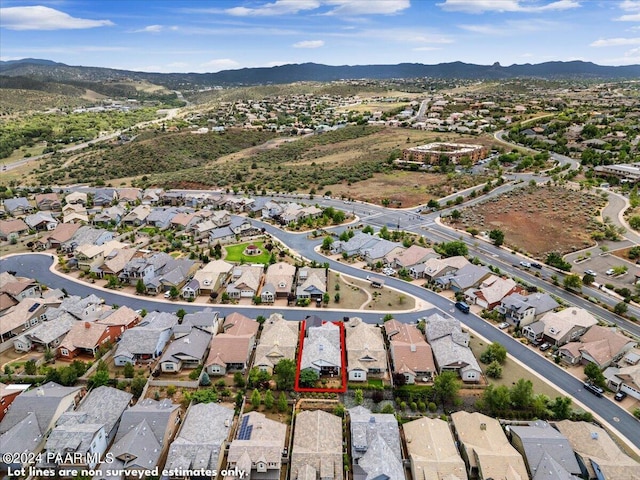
(325, 298)
(129, 371)
(181, 313)
(174, 292)
(358, 396)
(100, 378)
(620, 308)
(256, 399)
(68, 376)
(561, 408)
(285, 371)
(497, 398)
(594, 374)
(140, 288)
(308, 377)
(387, 317)
(494, 370)
(368, 229)
(326, 243)
(282, 402)
(453, 249)
(588, 279)
(497, 236)
(445, 387)
(522, 394)
(137, 386)
(572, 282)
(205, 380)
(238, 380)
(268, 399)
(494, 352)
(30, 368)
(455, 214)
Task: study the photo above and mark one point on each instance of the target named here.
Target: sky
(213, 35)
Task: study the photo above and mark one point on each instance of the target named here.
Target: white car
(590, 272)
(167, 294)
(503, 325)
(611, 271)
(525, 264)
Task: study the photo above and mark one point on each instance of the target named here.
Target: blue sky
(213, 35)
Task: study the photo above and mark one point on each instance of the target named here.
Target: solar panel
(245, 429)
(34, 307)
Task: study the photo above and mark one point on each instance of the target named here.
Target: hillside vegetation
(151, 152)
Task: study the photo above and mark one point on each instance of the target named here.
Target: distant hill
(46, 70)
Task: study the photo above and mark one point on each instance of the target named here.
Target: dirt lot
(405, 189)
(538, 220)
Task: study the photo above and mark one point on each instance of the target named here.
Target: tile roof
(321, 347)
(365, 346)
(192, 345)
(317, 442)
(449, 343)
(278, 340)
(264, 440)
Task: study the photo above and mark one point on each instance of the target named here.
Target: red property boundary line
(343, 351)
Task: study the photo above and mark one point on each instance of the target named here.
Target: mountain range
(48, 71)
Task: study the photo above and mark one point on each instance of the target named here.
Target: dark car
(536, 265)
(545, 346)
(618, 397)
(463, 307)
(597, 391)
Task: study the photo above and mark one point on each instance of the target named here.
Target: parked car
(463, 307)
(167, 294)
(619, 396)
(525, 264)
(590, 272)
(545, 346)
(536, 265)
(597, 391)
(503, 325)
(611, 271)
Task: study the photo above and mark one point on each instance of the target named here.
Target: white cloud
(512, 27)
(152, 29)
(45, 18)
(279, 7)
(218, 64)
(309, 44)
(632, 6)
(483, 29)
(367, 7)
(425, 49)
(615, 42)
(480, 6)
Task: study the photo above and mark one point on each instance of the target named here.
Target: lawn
(235, 254)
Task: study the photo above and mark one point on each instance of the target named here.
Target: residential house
(11, 230)
(322, 349)
(91, 257)
(491, 291)
(624, 379)
(200, 444)
(432, 450)
(8, 394)
(412, 256)
(376, 451)
(317, 446)
(464, 278)
(185, 220)
(6, 302)
(355, 245)
(87, 235)
(115, 261)
(376, 253)
(111, 215)
(41, 221)
(22, 317)
(278, 282)
(18, 206)
(271, 209)
(129, 196)
(485, 448)
(31, 417)
(46, 335)
(558, 328)
(411, 356)
(75, 213)
(366, 353)
(311, 283)
(186, 351)
(146, 341)
(435, 268)
(172, 198)
(523, 310)
(603, 346)
(546, 452)
(161, 217)
(258, 447)
(191, 289)
(137, 216)
(206, 320)
(451, 348)
(213, 276)
(76, 198)
(142, 439)
(152, 196)
(48, 201)
(19, 288)
(89, 308)
(245, 281)
(598, 455)
(62, 233)
(158, 272)
(104, 196)
(90, 429)
(278, 340)
(231, 349)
